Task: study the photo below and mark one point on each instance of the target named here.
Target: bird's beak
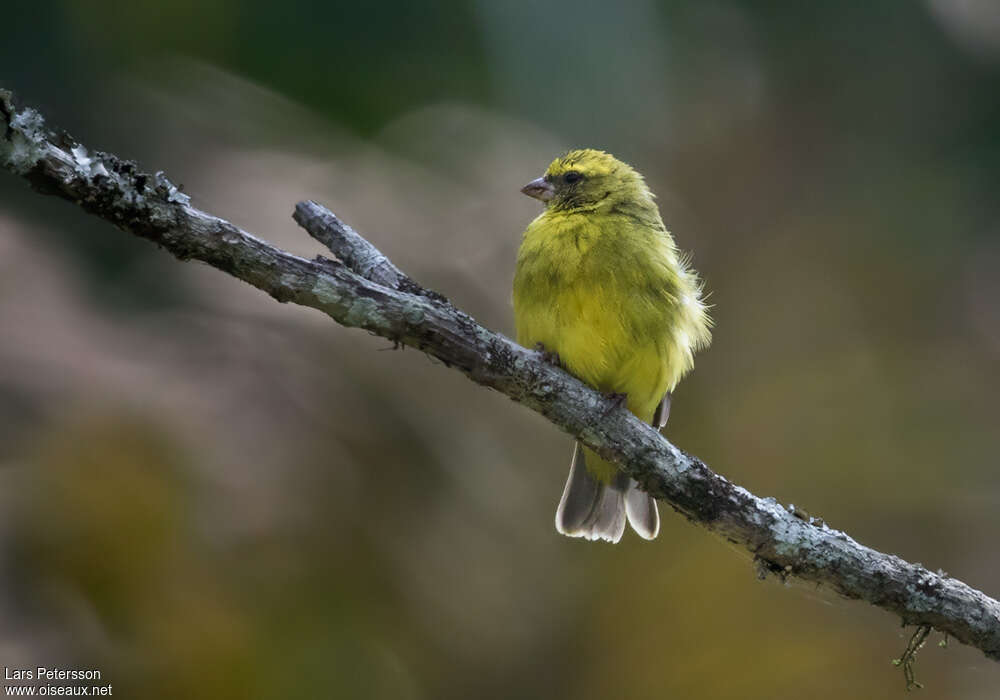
(539, 189)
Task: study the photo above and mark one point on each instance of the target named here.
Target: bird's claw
(617, 400)
(551, 358)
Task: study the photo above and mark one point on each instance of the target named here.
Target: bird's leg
(551, 358)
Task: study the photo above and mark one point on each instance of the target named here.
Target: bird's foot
(551, 358)
(617, 400)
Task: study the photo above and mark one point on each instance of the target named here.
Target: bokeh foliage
(206, 494)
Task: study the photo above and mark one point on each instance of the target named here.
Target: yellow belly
(595, 345)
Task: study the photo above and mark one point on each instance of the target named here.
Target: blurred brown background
(206, 494)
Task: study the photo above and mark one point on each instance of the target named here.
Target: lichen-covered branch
(354, 251)
(363, 289)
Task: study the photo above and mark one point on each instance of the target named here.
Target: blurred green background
(206, 494)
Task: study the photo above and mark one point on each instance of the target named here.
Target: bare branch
(365, 290)
(351, 249)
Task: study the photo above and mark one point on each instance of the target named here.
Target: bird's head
(587, 180)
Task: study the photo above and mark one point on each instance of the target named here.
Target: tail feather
(597, 510)
(642, 513)
(589, 508)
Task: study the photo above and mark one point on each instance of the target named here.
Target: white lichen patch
(175, 196)
(82, 158)
(27, 144)
(680, 463)
(413, 313)
(170, 191)
(364, 312)
(326, 292)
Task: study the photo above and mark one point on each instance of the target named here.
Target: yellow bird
(601, 285)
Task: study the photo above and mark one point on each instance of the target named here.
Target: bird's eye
(572, 177)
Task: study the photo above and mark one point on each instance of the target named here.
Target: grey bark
(363, 289)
